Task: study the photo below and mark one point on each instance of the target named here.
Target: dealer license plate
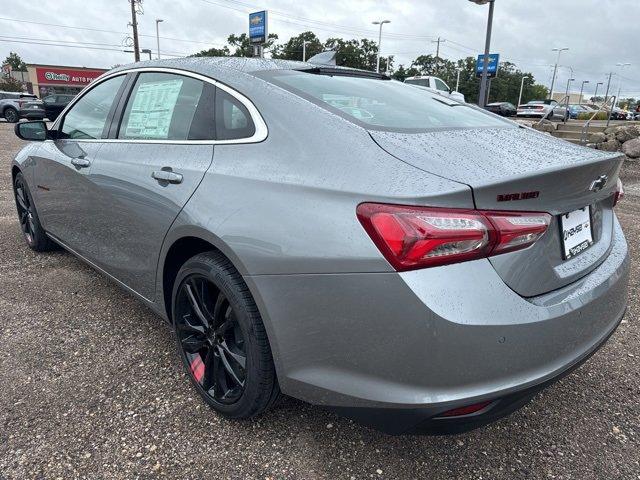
(576, 232)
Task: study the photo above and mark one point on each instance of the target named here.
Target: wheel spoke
(227, 366)
(239, 358)
(32, 227)
(195, 305)
(211, 365)
(187, 326)
(21, 198)
(226, 325)
(193, 343)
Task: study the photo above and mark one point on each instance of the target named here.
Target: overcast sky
(598, 33)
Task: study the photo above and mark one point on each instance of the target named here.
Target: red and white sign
(66, 76)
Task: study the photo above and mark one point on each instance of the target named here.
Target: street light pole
(621, 65)
(521, 89)
(482, 99)
(555, 69)
(582, 90)
(304, 50)
(382, 22)
(595, 95)
(158, 21)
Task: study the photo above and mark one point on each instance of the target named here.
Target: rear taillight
(418, 237)
(619, 195)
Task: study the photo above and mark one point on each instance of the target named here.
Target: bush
(587, 116)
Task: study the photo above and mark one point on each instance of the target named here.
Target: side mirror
(35, 131)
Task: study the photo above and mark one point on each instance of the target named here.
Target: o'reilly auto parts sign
(66, 76)
(60, 77)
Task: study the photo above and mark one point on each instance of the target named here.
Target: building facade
(55, 79)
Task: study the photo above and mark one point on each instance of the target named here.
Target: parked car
(576, 109)
(54, 104)
(387, 267)
(505, 109)
(436, 85)
(618, 113)
(16, 105)
(549, 109)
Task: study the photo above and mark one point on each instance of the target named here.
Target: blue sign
(258, 27)
(492, 66)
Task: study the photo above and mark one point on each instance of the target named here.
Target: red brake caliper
(197, 368)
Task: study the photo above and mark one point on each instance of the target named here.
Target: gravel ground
(91, 387)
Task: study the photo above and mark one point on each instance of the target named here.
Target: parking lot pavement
(91, 387)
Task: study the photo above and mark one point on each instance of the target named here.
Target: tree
(243, 44)
(10, 84)
(354, 53)
(292, 50)
(214, 52)
(401, 73)
(16, 62)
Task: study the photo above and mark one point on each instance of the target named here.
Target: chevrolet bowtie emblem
(599, 183)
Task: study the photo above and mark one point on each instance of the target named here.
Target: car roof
(233, 71)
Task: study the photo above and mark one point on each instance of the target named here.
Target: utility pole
(555, 69)
(304, 50)
(134, 26)
(438, 41)
(621, 65)
(606, 94)
(458, 81)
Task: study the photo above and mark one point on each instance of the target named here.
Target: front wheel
(221, 338)
(11, 115)
(30, 225)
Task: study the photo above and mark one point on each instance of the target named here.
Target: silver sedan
(330, 234)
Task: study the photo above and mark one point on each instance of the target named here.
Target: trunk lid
(523, 170)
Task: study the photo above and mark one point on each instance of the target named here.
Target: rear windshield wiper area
(344, 72)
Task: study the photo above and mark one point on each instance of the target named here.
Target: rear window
(378, 104)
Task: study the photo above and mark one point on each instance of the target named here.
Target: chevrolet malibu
(405, 260)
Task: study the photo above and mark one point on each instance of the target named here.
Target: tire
(550, 116)
(223, 346)
(32, 231)
(11, 115)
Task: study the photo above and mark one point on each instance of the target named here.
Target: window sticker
(152, 109)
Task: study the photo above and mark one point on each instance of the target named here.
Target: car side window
(440, 85)
(162, 106)
(49, 99)
(87, 118)
(233, 120)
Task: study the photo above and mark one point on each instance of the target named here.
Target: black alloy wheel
(221, 339)
(30, 226)
(213, 343)
(25, 210)
(11, 115)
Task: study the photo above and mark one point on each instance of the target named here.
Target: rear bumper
(397, 350)
(532, 114)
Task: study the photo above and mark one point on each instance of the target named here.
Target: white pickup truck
(436, 85)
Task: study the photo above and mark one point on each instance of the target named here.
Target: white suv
(436, 85)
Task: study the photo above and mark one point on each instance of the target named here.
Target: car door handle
(80, 162)
(167, 176)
